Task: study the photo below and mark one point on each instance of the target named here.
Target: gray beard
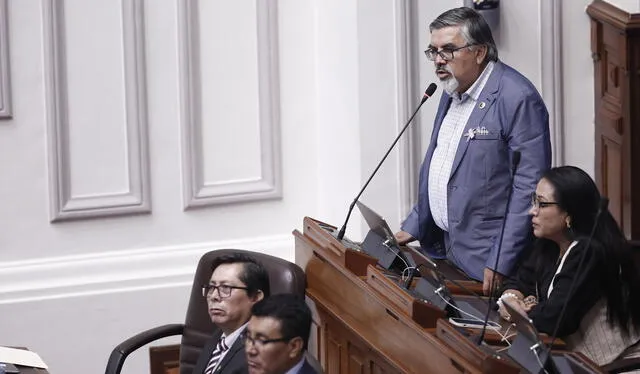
(450, 85)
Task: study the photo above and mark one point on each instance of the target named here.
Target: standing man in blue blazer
(488, 112)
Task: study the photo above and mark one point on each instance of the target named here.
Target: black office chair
(284, 277)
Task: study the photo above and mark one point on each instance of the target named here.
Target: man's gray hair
(473, 26)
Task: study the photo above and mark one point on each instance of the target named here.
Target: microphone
(427, 94)
(435, 268)
(515, 160)
(602, 207)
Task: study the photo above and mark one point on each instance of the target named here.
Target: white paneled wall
(577, 77)
(136, 135)
(235, 120)
(96, 108)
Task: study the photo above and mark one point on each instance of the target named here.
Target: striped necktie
(221, 347)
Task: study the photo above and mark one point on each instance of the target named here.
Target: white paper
(21, 357)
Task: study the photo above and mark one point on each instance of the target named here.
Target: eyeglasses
(445, 54)
(536, 203)
(260, 342)
(224, 290)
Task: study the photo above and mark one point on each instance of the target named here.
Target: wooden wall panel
(348, 353)
(615, 46)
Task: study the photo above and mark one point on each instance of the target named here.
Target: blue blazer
(517, 120)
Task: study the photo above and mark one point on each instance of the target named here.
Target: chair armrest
(120, 353)
(623, 365)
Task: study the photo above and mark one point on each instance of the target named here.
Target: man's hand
(487, 286)
(404, 237)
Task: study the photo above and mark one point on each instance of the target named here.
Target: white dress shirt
(564, 257)
(229, 341)
(449, 136)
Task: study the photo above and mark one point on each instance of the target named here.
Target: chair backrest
(284, 277)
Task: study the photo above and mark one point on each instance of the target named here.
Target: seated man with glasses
(490, 117)
(237, 283)
(277, 336)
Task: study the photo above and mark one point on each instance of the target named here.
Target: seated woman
(602, 316)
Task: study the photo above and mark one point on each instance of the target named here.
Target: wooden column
(615, 46)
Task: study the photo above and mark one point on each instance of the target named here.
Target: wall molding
(63, 205)
(408, 73)
(196, 191)
(119, 271)
(550, 31)
(5, 76)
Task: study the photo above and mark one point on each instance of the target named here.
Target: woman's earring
(569, 230)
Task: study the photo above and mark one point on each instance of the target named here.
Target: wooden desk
(367, 323)
(489, 358)
(428, 317)
(456, 280)
(361, 329)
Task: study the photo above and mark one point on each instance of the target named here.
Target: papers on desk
(21, 357)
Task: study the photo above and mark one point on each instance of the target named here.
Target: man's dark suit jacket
(307, 368)
(234, 362)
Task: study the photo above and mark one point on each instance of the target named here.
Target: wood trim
(615, 47)
(605, 12)
(164, 359)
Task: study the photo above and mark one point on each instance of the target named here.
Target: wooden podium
(367, 323)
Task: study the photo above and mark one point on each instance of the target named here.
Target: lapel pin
(482, 105)
(470, 134)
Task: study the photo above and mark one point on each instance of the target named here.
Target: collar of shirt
(231, 338)
(564, 257)
(476, 88)
(296, 368)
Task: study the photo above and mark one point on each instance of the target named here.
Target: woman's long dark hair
(578, 196)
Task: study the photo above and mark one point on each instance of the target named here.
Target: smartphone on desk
(472, 323)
